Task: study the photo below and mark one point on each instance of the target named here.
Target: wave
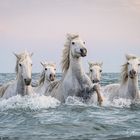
(35, 102)
(118, 103)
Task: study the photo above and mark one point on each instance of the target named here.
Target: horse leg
(99, 97)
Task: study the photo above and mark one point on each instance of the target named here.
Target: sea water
(41, 117)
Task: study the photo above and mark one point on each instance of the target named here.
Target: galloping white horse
(74, 80)
(95, 70)
(23, 78)
(128, 88)
(46, 77)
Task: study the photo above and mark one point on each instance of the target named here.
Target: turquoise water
(38, 118)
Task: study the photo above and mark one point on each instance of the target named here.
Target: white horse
(75, 81)
(95, 71)
(23, 78)
(47, 76)
(128, 88)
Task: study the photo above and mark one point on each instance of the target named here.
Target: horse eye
(20, 65)
(83, 42)
(45, 68)
(127, 63)
(54, 69)
(90, 70)
(139, 64)
(100, 70)
(73, 43)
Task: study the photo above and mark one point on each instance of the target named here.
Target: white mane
(91, 64)
(66, 52)
(42, 77)
(124, 73)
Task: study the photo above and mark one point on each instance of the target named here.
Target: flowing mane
(124, 74)
(42, 77)
(66, 52)
(94, 64)
(20, 58)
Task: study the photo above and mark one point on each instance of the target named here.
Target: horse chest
(11, 91)
(72, 86)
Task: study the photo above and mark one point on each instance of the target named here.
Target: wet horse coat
(74, 80)
(22, 83)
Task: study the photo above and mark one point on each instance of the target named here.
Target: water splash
(35, 102)
(76, 101)
(119, 103)
(72, 100)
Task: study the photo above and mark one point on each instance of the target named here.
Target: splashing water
(119, 103)
(40, 117)
(29, 102)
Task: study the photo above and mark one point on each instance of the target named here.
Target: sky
(110, 28)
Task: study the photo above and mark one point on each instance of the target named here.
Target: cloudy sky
(110, 28)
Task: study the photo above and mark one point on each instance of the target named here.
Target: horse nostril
(27, 81)
(95, 81)
(81, 50)
(52, 77)
(134, 72)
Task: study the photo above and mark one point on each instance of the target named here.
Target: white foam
(35, 102)
(72, 100)
(119, 103)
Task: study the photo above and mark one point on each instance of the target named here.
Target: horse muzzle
(83, 52)
(52, 77)
(132, 74)
(95, 81)
(27, 81)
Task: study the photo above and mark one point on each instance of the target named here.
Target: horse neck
(76, 66)
(132, 87)
(46, 82)
(21, 87)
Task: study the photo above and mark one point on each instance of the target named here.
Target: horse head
(24, 66)
(133, 64)
(77, 46)
(49, 71)
(95, 70)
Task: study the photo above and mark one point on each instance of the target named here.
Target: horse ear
(68, 35)
(101, 64)
(90, 64)
(17, 56)
(54, 64)
(71, 36)
(130, 56)
(42, 64)
(31, 54)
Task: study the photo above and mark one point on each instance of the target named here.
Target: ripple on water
(41, 117)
